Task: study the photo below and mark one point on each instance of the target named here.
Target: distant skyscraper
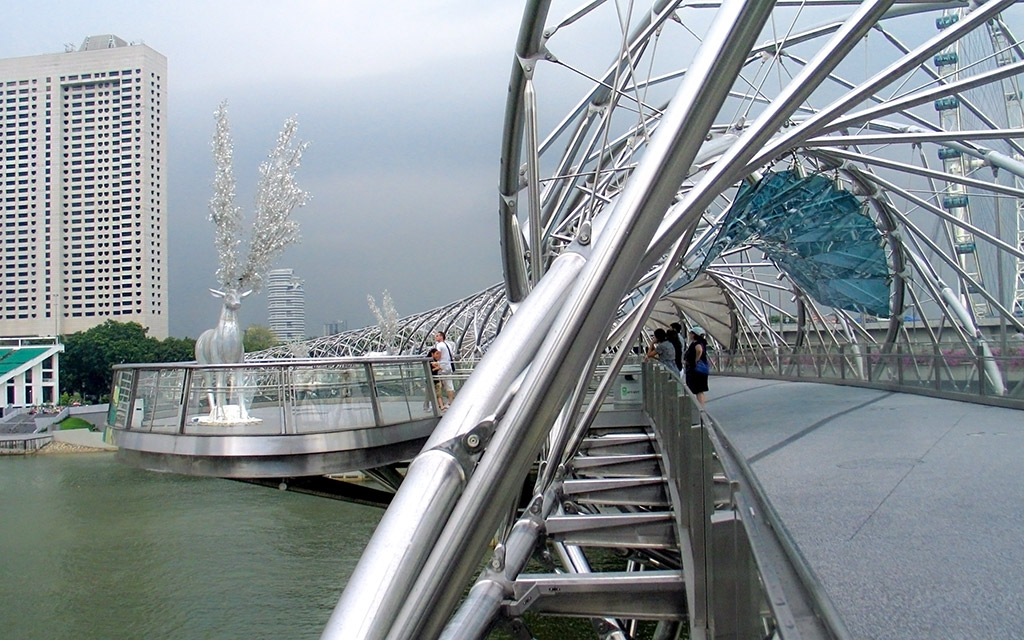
(83, 196)
(334, 327)
(286, 305)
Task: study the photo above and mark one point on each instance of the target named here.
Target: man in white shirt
(446, 362)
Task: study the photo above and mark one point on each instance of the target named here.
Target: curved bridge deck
(906, 507)
(272, 419)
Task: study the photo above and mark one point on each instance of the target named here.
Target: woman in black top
(696, 351)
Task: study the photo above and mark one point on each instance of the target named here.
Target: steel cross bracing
(1002, 45)
(610, 203)
(880, 140)
(471, 324)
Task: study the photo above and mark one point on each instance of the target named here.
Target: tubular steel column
(512, 259)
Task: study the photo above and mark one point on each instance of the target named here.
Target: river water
(91, 548)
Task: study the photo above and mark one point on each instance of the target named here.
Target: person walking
(697, 353)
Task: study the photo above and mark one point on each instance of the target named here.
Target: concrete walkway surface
(909, 509)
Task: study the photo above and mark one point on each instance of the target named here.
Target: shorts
(697, 382)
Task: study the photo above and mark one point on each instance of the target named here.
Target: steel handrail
(954, 375)
(786, 580)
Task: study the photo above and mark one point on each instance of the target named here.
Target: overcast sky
(402, 103)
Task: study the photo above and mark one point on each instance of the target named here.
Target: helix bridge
(832, 189)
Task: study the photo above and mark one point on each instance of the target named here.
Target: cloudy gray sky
(402, 103)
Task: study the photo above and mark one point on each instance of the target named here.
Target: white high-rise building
(83, 197)
(286, 305)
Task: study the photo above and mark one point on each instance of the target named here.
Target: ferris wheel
(995, 105)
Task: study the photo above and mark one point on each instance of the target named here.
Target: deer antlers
(277, 195)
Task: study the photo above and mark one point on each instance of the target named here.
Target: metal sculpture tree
(277, 195)
(387, 321)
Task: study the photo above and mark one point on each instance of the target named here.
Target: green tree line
(86, 366)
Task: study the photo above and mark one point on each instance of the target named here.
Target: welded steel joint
(529, 63)
(519, 607)
(553, 496)
(585, 234)
(529, 526)
(517, 629)
(466, 448)
(531, 521)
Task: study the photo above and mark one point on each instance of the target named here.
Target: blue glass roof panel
(817, 233)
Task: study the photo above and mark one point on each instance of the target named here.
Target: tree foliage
(175, 350)
(88, 358)
(258, 338)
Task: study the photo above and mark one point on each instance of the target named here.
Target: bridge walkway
(908, 508)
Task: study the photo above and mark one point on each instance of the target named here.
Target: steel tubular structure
(828, 178)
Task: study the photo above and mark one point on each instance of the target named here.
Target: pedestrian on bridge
(697, 354)
(663, 351)
(435, 374)
(447, 364)
(673, 333)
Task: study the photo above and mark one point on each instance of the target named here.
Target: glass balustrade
(280, 397)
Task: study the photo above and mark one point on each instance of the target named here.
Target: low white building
(30, 370)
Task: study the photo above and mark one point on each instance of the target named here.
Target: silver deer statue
(223, 345)
(277, 194)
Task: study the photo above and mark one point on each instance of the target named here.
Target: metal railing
(745, 575)
(274, 397)
(937, 370)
